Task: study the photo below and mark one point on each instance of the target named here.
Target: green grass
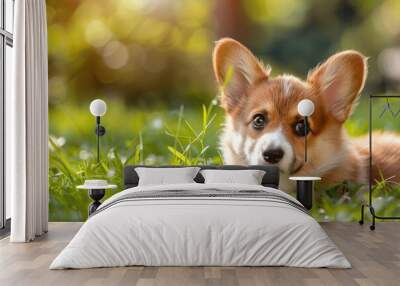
(180, 136)
(174, 137)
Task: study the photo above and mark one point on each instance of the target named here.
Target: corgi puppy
(263, 125)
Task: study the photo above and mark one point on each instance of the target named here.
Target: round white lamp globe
(305, 107)
(98, 107)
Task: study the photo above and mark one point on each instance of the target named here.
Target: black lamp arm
(305, 138)
(100, 131)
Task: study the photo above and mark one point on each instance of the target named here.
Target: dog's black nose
(273, 156)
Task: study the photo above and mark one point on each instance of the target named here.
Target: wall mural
(178, 94)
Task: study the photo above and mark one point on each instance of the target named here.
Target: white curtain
(27, 124)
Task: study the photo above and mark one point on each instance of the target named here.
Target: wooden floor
(375, 257)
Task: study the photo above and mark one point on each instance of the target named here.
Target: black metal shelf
(370, 189)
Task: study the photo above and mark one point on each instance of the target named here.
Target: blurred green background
(151, 62)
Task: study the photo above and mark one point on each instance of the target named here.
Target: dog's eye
(259, 121)
(300, 128)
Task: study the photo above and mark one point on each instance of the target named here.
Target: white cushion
(166, 176)
(248, 177)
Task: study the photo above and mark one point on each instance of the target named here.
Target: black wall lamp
(98, 108)
(305, 109)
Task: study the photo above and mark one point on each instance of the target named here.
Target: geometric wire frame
(387, 108)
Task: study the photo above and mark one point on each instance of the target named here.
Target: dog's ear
(340, 80)
(236, 69)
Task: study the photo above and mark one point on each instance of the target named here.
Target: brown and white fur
(248, 90)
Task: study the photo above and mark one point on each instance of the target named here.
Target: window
(6, 45)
